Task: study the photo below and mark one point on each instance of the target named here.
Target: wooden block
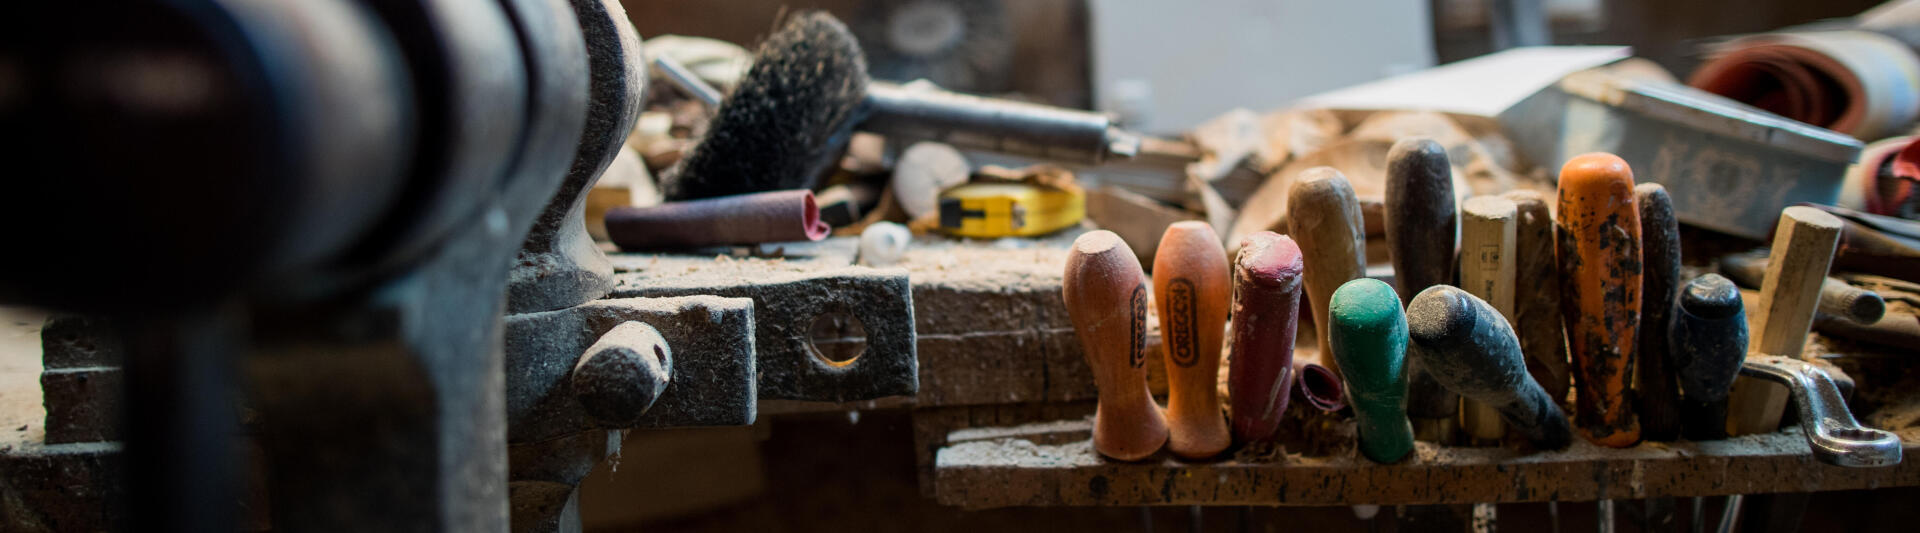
(1803, 246)
(1137, 219)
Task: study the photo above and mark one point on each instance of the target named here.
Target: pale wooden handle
(1487, 235)
(1324, 218)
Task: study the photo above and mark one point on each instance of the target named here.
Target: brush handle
(1487, 235)
(1708, 342)
(1266, 306)
(1190, 292)
(1537, 316)
(1803, 245)
(1323, 216)
(1106, 298)
(1421, 224)
(994, 125)
(1654, 385)
(1369, 338)
(1467, 346)
(1598, 236)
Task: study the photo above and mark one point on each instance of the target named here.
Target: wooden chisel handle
(1369, 338)
(1190, 291)
(1598, 236)
(1487, 235)
(1420, 225)
(1654, 384)
(1106, 298)
(1323, 217)
(1266, 307)
(1536, 317)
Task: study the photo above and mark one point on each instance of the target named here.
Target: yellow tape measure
(998, 209)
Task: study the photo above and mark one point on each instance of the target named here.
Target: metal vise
(361, 224)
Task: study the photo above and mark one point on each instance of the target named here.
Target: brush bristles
(783, 125)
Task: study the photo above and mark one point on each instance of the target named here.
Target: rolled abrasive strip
(1466, 346)
(1266, 307)
(1654, 385)
(1709, 342)
(1421, 224)
(777, 216)
(1368, 335)
(1318, 386)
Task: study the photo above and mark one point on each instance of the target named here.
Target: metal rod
(1699, 514)
(181, 423)
(687, 82)
(1730, 516)
(1605, 516)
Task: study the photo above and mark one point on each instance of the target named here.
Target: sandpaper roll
(1318, 386)
(1654, 385)
(778, 216)
(1598, 249)
(1860, 83)
(1266, 307)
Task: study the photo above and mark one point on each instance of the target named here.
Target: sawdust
(22, 416)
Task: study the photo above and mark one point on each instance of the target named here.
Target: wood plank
(1053, 463)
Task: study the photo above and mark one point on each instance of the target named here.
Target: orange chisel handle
(1598, 249)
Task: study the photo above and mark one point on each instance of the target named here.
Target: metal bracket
(712, 383)
(785, 306)
(1836, 438)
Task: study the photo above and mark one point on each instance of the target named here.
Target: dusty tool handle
(1106, 298)
(1708, 341)
(1323, 216)
(1467, 346)
(1654, 383)
(1833, 434)
(1190, 291)
(1369, 338)
(1536, 317)
(1487, 236)
(1598, 236)
(1266, 306)
(1420, 227)
(1837, 298)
